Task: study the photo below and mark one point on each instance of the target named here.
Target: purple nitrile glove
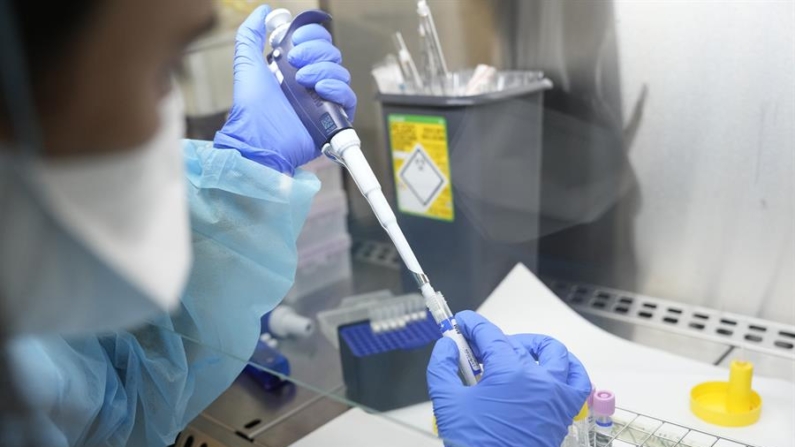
(262, 124)
(531, 389)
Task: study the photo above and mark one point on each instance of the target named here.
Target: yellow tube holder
(583, 413)
(728, 404)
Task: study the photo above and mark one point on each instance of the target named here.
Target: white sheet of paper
(645, 380)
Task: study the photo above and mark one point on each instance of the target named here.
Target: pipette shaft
(345, 147)
(331, 129)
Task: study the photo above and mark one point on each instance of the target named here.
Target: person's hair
(45, 32)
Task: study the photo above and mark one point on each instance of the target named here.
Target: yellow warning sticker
(421, 164)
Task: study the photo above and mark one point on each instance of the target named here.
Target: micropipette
(331, 130)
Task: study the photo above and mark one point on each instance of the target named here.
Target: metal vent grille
(191, 437)
(378, 253)
(737, 330)
(204, 432)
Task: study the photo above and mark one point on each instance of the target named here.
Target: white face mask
(106, 241)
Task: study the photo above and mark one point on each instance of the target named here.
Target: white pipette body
(345, 147)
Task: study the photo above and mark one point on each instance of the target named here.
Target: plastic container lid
(604, 402)
(460, 101)
(728, 404)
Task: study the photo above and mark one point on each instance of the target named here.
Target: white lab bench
(647, 381)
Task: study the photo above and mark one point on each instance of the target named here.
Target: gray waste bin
(467, 178)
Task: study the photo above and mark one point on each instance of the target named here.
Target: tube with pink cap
(603, 408)
(591, 420)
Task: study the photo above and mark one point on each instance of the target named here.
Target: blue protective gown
(141, 387)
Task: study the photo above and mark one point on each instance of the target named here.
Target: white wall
(715, 152)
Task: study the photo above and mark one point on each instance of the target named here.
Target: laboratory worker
(135, 266)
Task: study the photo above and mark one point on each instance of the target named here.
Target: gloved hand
(531, 389)
(262, 125)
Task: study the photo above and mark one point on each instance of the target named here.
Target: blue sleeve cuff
(265, 157)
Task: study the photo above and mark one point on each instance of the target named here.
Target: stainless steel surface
(764, 365)
(671, 173)
(246, 401)
(290, 429)
(246, 409)
(684, 345)
(203, 431)
(276, 419)
(258, 429)
(377, 253)
(696, 332)
(704, 213)
(420, 278)
(249, 414)
(754, 334)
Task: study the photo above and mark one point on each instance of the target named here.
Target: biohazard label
(421, 165)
